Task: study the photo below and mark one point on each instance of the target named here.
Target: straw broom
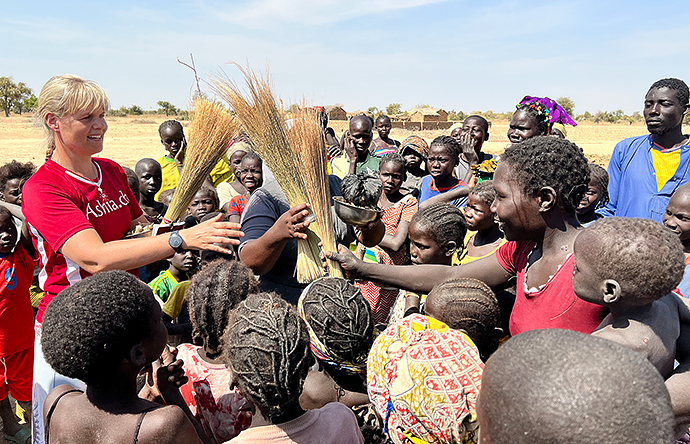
(263, 120)
(211, 130)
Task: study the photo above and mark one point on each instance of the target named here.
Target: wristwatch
(175, 241)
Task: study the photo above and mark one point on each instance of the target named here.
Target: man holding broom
(356, 156)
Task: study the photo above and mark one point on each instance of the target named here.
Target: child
(423, 379)
(181, 265)
(677, 218)
(16, 323)
(414, 150)
(470, 306)
(538, 183)
(175, 143)
(562, 387)
(436, 235)
(596, 196)
(268, 357)
(132, 181)
(205, 201)
(473, 133)
(228, 190)
(398, 210)
(251, 177)
(212, 294)
(631, 266)
(150, 178)
(12, 178)
(443, 158)
(384, 144)
(104, 330)
(480, 219)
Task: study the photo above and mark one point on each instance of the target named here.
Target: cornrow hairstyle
(382, 118)
(173, 124)
(451, 145)
(484, 191)
(90, 327)
(394, 158)
(679, 86)
(444, 223)
(645, 257)
(601, 178)
(212, 294)
(545, 161)
(266, 346)
(539, 113)
(340, 324)
(469, 305)
(15, 170)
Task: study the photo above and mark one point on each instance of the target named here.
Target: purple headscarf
(556, 113)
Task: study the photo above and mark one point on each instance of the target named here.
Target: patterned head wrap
(423, 379)
(417, 144)
(560, 127)
(355, 366)
(555, 112)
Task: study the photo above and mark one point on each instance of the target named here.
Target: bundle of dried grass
(211, 129)
(296, 157)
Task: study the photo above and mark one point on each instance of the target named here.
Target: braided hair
(340, 318)
(540, 114)
(266, 347)
(444, 223)
(679, 86)
(451, 145)
(469, 305)
(545, 161)
(212, 294)
(394, 158)
(172, 124)
(601, 179)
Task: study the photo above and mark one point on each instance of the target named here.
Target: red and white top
(59, 203)
(16, 314)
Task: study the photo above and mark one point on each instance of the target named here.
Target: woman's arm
(88, 250)
(396, 241)
(261, 254)
(420, 278)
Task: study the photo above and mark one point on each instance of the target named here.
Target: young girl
(268, 357)
(251, 177)
(228, 190)
(398, 210)
(443, 158)
(104, 330)
(414, 150)
(205, 201)
(384, 144)
(596, 196)
(538, 183)
(211, 296)
(480, 219)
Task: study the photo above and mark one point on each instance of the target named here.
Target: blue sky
(452, 54)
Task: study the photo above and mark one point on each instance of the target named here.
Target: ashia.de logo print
(106, 206)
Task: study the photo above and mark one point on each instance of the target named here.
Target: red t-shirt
(555, 305)
(59, 203)
(16, 314)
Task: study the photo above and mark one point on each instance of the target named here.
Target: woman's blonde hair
(65, 95)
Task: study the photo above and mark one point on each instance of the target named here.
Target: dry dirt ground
(134, 137)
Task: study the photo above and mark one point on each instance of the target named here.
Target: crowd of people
(524, 297)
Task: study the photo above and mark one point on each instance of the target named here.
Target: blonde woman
(79, 208)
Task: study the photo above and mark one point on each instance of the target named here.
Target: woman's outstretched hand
(212, 235)
(348, 261)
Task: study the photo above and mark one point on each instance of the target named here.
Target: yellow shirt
(219, 174)
(665, 165)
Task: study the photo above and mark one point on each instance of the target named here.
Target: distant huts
(427, 115)
(335, 113)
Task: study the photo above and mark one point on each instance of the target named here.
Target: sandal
(23, 436)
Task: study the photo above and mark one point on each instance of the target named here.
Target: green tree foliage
(30, 103)
(375, 111)
(12, 95)
(135, 110)
(168, 108)
(456, 115)
(567, 104)
(393, 109)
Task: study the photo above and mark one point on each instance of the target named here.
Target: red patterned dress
(382, 299)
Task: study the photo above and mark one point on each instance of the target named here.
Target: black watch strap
(175, 241)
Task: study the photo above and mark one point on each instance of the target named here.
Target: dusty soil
(134, 137)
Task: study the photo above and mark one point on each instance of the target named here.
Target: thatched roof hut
(428, 115)
(335, 113)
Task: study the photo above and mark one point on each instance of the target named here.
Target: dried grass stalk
(290, 154)
(211, 129)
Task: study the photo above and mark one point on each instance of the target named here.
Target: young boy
(562, 387)
(631, 266)
(16, 322)
(181, 264)
(150, 178)
(677, 218)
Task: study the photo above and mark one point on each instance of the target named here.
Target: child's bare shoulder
(167, 424)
